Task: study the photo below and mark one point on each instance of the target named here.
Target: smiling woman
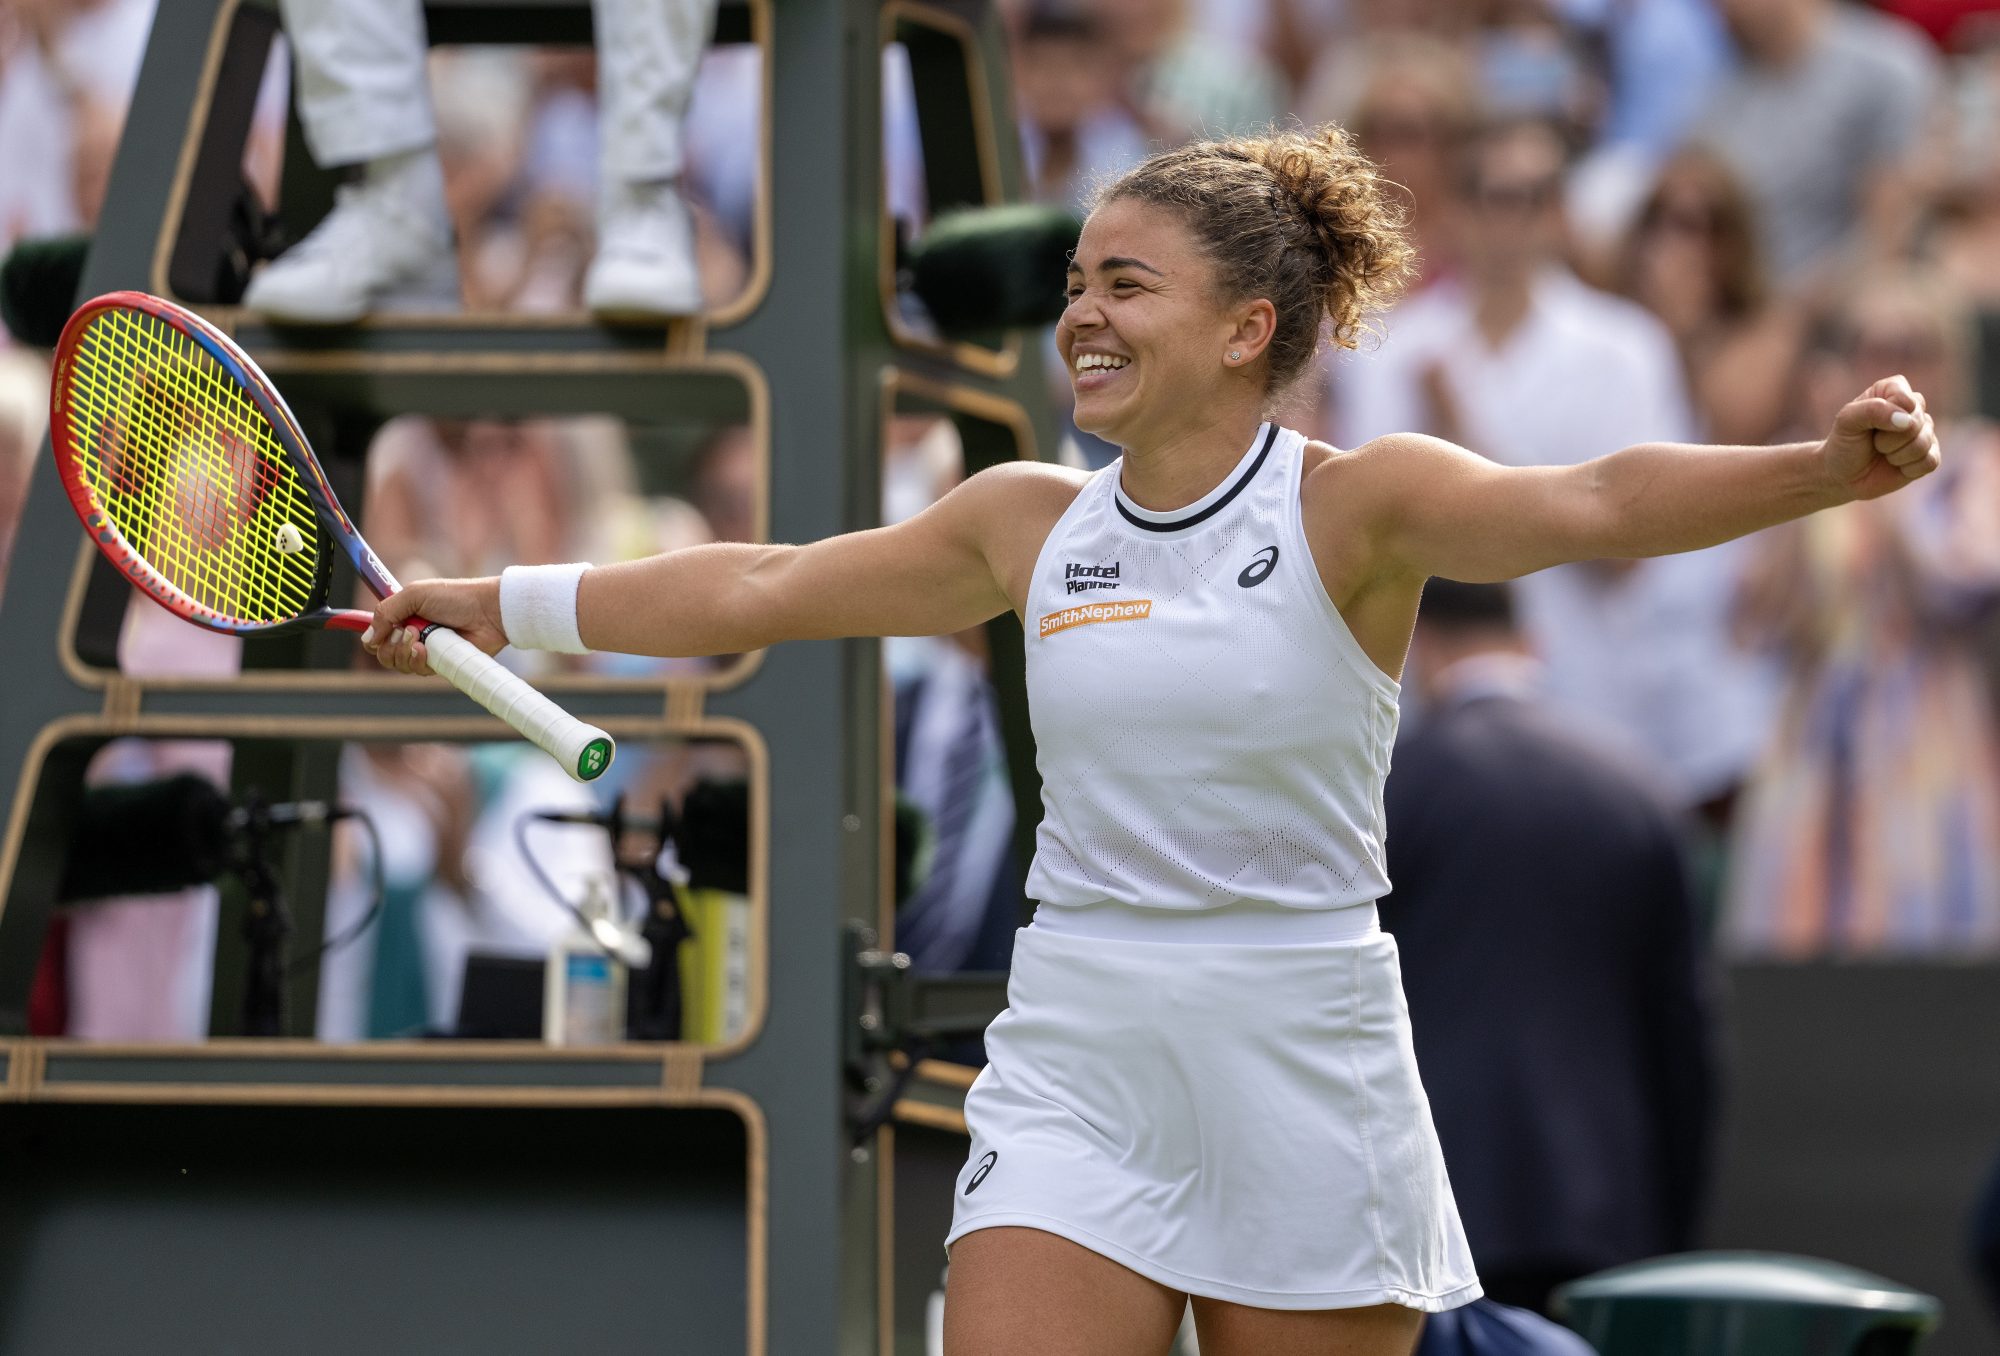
(1300, 218)
(1203, 1087)
(1283, 238)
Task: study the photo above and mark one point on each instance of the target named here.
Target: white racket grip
(583, 750)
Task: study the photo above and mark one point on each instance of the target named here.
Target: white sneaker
(372, 252)
(645, 267)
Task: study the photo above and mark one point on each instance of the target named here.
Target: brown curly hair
(1299, 217)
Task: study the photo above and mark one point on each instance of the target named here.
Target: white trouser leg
(363, 100)
(647, 55)
(361, 87)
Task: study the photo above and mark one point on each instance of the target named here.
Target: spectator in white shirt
(1520, 361)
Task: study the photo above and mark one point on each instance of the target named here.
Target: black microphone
(979, 269)
(602, 819)
(613, 821)
(157, 837)
(715, 835)
(146, 838)
(38, 285)
(711, 836)
(286, 814)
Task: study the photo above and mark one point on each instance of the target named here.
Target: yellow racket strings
(189, 470)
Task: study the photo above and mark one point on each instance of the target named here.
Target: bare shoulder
(1338, 482)
(1006, 499)
(1353, 503)
(1019, 501)
(1015, 505)
(1390, 454)
(1371, 479)
(1028, 485)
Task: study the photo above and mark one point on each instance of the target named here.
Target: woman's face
(1144, 335)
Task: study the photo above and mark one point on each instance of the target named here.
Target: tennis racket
(191, 475)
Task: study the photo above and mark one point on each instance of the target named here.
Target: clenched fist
(1881, 440)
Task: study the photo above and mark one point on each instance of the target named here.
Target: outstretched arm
(925, 576)
(940, 571)
(1435, 509)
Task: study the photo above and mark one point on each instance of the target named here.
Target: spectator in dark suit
(951, 765)
(1553, 962)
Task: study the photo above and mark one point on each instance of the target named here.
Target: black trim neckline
(1118, 494)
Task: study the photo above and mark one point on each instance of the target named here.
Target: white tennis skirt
(1238, 1122)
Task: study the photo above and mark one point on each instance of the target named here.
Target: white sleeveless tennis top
(1207, 729)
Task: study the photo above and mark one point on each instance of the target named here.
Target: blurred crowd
(1645, 220)
(456, 877)
(517, 136)
(1638, 220)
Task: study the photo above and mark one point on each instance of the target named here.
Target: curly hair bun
(1300, 217)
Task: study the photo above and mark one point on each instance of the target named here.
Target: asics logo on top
(1084, 578)
(986, 1162)
(1259, 569)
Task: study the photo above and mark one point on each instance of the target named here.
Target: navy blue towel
(1483, 1328)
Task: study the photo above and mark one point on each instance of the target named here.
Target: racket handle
(583, 750)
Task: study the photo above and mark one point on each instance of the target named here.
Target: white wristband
(538, 607)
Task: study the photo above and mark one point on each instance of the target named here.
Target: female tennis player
(1203, 1084)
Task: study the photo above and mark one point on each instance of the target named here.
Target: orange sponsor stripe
(1084, 614)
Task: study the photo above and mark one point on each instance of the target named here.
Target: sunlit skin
(1380, 520)
(1184, 410)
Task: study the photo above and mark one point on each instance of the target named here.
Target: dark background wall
(324, 1231)
(1862, 1117)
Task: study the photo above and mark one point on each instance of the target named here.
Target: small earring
(1234, 355)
